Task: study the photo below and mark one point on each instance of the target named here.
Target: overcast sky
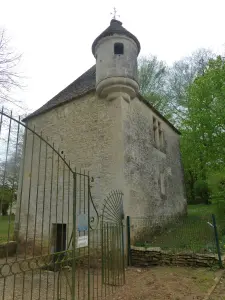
(55, 37)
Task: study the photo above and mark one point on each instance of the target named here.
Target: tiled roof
(82, 85)
(79, 87)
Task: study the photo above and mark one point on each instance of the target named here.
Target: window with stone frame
(161, 136)
(118, 49)
(162, 184)
(158, 135)
(155, 130)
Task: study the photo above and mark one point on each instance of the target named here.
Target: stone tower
(116, 51)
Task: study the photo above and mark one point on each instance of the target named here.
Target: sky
(55, 37)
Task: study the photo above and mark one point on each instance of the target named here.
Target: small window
(154, 129)
(160, 135)
(118, 48)
(162, 184)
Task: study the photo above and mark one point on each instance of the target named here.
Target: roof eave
(158, 113)
(33, 115)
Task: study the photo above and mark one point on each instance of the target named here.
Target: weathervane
(114, 13)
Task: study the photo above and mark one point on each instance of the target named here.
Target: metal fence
(193, 234)
(54, 244)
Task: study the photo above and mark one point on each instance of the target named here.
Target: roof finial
(114, 13)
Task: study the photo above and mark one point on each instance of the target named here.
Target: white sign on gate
(82, 241)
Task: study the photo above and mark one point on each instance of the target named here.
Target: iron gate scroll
(52, 245)
(113, 268)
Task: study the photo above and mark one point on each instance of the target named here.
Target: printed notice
(82, 241)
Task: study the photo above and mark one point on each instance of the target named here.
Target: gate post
(217, 241)
(74, 237)
(129, 262)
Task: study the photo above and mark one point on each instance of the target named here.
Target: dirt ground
(173, 283)
(156, 283)
(219, 292)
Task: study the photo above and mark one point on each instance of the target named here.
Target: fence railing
(189, 234)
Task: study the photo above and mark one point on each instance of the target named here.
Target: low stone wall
(7, 249)
(144, 257)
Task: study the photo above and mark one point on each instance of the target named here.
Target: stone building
(102, 124)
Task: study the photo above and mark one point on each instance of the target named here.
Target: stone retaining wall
(7, 249)
(144, 257)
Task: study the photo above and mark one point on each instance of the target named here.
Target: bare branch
(9, 78)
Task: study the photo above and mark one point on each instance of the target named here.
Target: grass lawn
(6, 228)
(192, 233)
(202, 209)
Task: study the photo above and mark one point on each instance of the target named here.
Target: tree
(166, 87)
(9, 78)
(180, 76)
(11, 148)
(7, 198)
(9, 177)
(203, 140)
(190, 94)
(152, 75)
(11, 159)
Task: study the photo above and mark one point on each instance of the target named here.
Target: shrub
(202, 194)
(217, 186)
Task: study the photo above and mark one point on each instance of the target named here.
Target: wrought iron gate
(113, 240)
(53, 244)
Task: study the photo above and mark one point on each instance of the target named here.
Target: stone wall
(148, 163)
(144, 257)
(8, 249)
(113, 140)
(87, 131)
(110, 65)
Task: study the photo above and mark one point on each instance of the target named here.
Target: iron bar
(217, 241)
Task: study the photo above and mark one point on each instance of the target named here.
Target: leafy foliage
(201, 191)
(203, 140)
(152, 79)
(7, 198)
(191, 95)
(217, 185)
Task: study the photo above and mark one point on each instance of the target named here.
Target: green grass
(192, 233)
(202, 209)
(6, 228)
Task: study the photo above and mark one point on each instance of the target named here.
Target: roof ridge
(83, 84)
(79, 87)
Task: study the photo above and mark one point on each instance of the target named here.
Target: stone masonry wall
(113, 140)
(8, 249)
(88, 132)
(144, 257)
(145, 162)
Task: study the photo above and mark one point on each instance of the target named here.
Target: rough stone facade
(89, 133)
(110, 65)
(113, 140)
(153, 170)
(100, 124)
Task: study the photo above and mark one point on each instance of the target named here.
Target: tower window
(118, 48)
